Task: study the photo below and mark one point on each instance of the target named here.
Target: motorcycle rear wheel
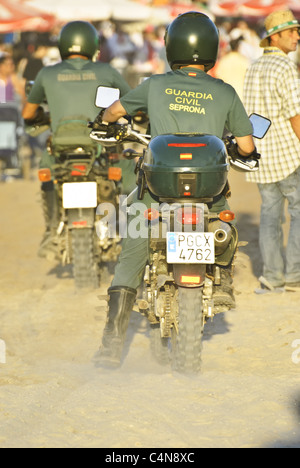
(85, 267)
(187, 343)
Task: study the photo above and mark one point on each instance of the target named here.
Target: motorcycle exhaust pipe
(106, 189)
(222, 239)
(222, 234)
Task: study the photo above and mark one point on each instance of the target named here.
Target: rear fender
(81, 218)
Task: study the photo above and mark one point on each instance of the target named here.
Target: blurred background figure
(11, 87)
(35, 61)
(120, 49)
(38, 56)
(12, 95)
(232, 67)
(249, 44)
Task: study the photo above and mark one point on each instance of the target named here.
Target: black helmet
(78, 38)
(192, 38)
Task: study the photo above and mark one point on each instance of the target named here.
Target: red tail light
(189, 216)
(79, 224)
(79, 170)
(187, 145)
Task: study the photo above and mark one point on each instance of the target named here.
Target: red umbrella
(253, 8)
(226, 8)
(15, 16)
(262, 7)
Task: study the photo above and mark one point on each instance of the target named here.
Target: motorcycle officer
(69, 88)
(192, 42)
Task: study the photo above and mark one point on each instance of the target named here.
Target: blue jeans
(278, 269)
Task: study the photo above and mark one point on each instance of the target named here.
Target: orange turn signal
(44, 175)
(115, 173)
(151, 214)
(227, 216)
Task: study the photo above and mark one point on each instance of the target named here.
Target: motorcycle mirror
(105, 96)
(260, 125)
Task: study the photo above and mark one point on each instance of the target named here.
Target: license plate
(190, 247)
(79, 195)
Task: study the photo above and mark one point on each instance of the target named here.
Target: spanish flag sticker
(192, 74)
(186, 156)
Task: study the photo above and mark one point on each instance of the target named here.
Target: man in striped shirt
(272, 89)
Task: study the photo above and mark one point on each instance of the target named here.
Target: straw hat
(278, 21)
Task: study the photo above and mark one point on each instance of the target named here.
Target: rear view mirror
(260, 125)
(106, 96)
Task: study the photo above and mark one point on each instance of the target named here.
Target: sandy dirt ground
(52, 396)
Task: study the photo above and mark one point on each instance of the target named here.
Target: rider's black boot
(47, 247)
(120, 304)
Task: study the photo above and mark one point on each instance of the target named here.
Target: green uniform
(69, 88)
(183, 101)
(187, 101)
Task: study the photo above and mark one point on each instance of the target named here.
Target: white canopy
(117, 10)
(94, 10)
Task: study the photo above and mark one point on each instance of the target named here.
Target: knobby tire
(187, 344)
(85, 268)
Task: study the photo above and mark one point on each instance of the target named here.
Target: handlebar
(238, 162)
(124, 133)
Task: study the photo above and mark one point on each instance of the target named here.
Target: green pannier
(72, 132)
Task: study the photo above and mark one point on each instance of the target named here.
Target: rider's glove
(253, 155)
(41, 118)
(232, 149)
(140, 118)
(109, 129)
(98, 122)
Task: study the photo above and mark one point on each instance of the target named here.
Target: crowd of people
(135, 51)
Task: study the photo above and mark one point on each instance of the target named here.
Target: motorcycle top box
(186, 165)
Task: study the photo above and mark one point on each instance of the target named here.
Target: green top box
(186, 166)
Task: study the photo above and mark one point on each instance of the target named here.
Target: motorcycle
(190, 246)
(83, 179)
